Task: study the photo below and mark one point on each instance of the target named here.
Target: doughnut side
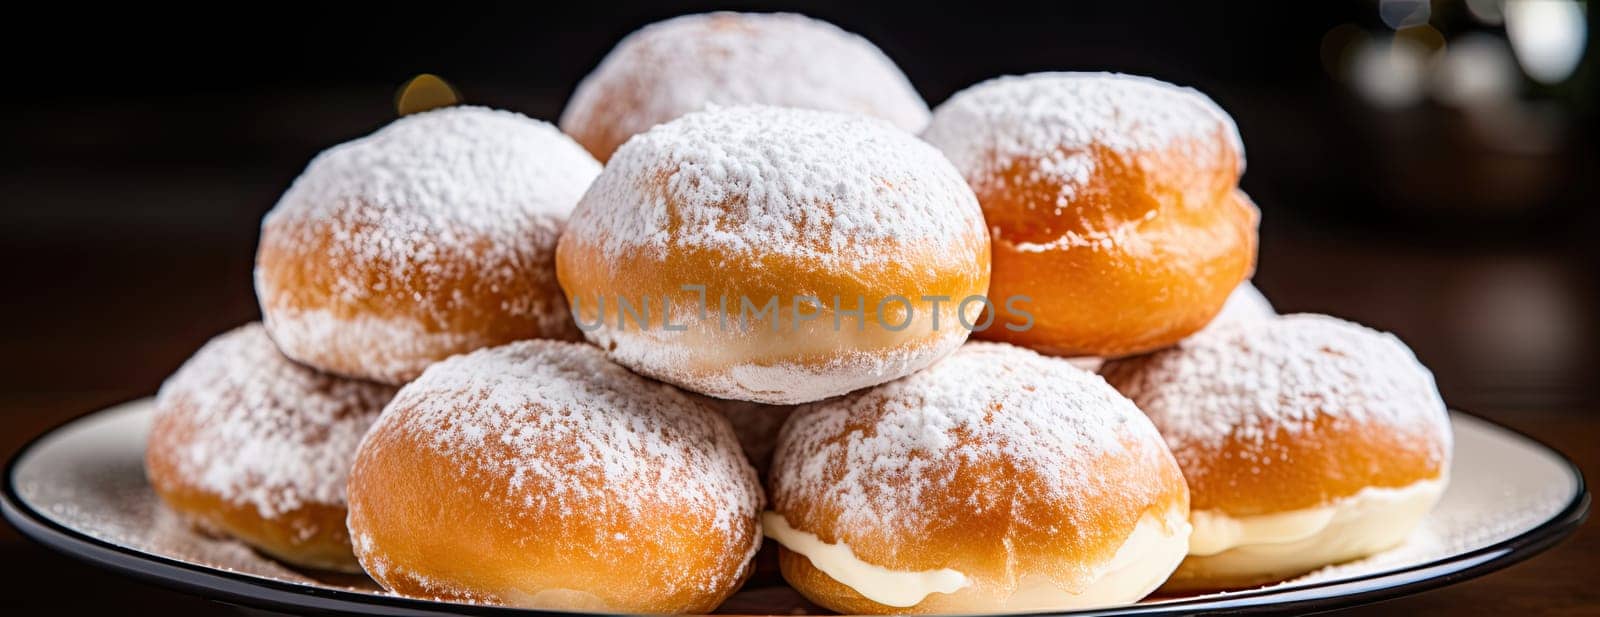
(1150, 260)
(333, 305)
(310, 536)
(1330, 459)
(425, 530)
(739, 338)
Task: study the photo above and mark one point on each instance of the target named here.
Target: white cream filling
(874, 582)
(1145, 559)
(1142, 564)
(1367, 522)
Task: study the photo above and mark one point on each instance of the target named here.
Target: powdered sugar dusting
(873, 456)
(491, 171)
(1055, 118)
(823, 186)
(582, 436)
(1248, 380)
(268, 432)
(423, 219)
(687, 63)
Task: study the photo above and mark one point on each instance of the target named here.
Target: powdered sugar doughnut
(1113, 202)
(249, 444)
(539, 474)
(1306, 440)
(776, 255)
(995, 480)
(688, 63)
(433, 236)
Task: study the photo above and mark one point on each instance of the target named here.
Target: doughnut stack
(492, 370)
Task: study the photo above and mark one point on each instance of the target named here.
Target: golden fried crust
(1144, 254)
(1336, 459)
(312, 535)
(471, 296)
(423, 529)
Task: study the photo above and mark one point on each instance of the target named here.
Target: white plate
(81, 489)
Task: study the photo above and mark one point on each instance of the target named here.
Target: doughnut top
(1281, 374)
(556, 427)
(433, 186)
(483, 169)
(684, 64)
(891, 460)
(267, 432)
(1057, 119)
(1304, 399)
(828, 188)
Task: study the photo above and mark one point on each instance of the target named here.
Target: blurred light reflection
(1477, 70)
(1548, 36)
(1389, 71)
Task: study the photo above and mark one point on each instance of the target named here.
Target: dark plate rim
(249, 590)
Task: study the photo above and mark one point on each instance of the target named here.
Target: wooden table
(98, 317)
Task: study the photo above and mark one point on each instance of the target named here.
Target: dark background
(141, 147)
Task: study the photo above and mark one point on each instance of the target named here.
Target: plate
(80, 489)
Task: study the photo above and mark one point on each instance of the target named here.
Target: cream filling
(1142, 564)
(1145, 559)
(897, 588)
(1369, 521)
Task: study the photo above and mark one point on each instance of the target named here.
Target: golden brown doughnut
(995, 480)
(689, 63)
(538, 474)
(1113, 202)
(1306, 441)
(434, 236)
(248, 444)
(761, 229)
